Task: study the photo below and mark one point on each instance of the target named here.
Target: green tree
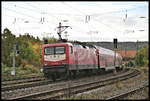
(27, 52)
(30, 48)
(8, 41)
(141, 58)
(51, 39)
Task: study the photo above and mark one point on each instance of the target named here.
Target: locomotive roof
(56, 44)
(84, 44)
(102, 50)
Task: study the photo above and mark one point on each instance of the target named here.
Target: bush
(32, 69)
(3, 65)
(130, 64)
(5, 70)
(141, 58)
(24, 63)
(27, 71)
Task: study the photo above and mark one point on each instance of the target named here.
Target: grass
(81, 97)
(20, 73)
(119, 84)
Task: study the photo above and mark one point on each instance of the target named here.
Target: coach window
(101, 57)
(71, 49)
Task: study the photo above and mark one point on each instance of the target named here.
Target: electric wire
(53, 14)
(20, 13)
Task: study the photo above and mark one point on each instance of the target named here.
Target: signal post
(115, 48)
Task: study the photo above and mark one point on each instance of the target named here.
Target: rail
(74, 89)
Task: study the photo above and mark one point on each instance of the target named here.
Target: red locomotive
(69, 58)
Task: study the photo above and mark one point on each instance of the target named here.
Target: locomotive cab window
(60, 50)
(49, 50)
(54, 50)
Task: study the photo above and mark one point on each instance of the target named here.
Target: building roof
(127, 53)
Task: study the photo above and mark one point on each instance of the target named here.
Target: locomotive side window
(71, 49)
(60, 50)
(83, 46)
(49, 50)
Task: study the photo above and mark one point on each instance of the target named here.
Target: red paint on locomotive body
(84, 56)
(53, 59)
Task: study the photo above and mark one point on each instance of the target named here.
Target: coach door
(98, 58)
(76, 61)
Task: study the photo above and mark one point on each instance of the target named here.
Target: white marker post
(13, 68)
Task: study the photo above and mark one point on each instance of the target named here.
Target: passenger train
(71, 58)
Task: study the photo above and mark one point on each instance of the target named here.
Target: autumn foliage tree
(30, 49)
(8, 40)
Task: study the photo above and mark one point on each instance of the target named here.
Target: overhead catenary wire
(62, 19)
(19, 18)
(42, 18)
(101, 14)
(87, 16)
(35, 11)
(46, 13)
(54, 15)
(15, 19)
(90, 15)
(21, 13)
(117, 11)
(61, 14)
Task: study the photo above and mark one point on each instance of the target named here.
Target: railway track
(131, 91)
(26, 83)
(11, 82)
(74, 88)
(30, 77)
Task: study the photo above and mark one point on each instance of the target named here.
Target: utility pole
(125, 51)
(137, 52)
(121, 48)
(59, 31)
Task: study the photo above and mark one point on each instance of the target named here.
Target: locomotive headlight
(64, 63)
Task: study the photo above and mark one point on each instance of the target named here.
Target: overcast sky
(90, 21)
